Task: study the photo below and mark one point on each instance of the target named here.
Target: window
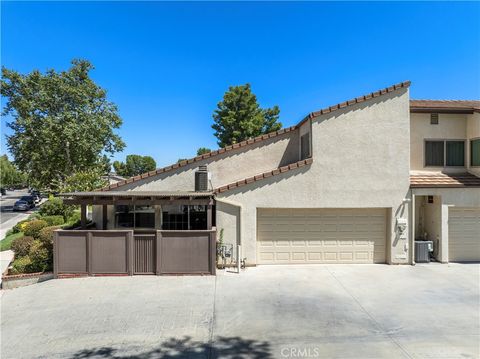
(455, 153)
(305, 146)
(434, 153)
(475, 152)
(134, 216)
(124, 216)
(434, 118)
(144, 217)
(445, 153)
(184, 217)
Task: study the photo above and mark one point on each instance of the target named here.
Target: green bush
(53, 220)
(19, 226)
(40, 257)
(46, 237)
(55, 207)
(21, 265)
(73, 221)
(21, 246)
(32, 228)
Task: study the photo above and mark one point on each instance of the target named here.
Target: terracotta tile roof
(199, 158)
(444, 180)
(264, 175)
(452, 106)
(259, 138)
(356, 100)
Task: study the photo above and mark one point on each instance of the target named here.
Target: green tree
(9, 175)
(84, 181)
(239, 117)
(134, 165)
(203, 150)
(62, 123)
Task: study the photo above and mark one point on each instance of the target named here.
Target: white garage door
(464, 235)
(287, 236)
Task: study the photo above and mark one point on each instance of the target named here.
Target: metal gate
(144, 254)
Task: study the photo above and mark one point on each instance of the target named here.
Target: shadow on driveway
(223, 347)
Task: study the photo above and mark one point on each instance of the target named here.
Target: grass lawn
(7, 242)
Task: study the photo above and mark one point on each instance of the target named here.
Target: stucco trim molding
(264, 175)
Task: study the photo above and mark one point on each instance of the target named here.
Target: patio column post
(104, 216)
(83, 215)
(209, 216)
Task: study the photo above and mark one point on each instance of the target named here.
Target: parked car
(29, 199)
(3, 191)
(36, 196)
(21, 206)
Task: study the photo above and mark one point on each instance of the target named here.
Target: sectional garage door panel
(286, 236)
(464, 235)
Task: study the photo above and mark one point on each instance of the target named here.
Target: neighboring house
(356, 182)
(112, 178)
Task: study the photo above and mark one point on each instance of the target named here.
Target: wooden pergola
(106, 198)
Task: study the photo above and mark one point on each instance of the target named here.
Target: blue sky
(166, 65)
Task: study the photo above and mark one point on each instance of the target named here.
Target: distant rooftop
(445, 106)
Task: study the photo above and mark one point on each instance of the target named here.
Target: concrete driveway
(316, 311)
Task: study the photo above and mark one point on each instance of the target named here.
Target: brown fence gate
(144, 253)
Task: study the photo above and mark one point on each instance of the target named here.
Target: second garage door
(464, 235)
(286, 236)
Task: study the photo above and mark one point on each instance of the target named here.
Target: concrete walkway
(6, 257)
(316, 311)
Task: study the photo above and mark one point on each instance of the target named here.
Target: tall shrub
(55, 207)
(32, 228)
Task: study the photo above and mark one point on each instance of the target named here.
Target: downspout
(239, 244)
(412, 228)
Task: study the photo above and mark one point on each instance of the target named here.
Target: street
(8, 218)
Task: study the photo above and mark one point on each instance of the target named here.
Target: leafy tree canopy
(9, 175)
(203, 150)
(134, 165)
(239, 117)
(84, 181)
(62, 124)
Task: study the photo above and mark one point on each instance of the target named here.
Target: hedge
(21, 246)
(53, 220)
(32, 228)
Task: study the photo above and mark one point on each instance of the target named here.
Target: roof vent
(201, 179)
(434, 118)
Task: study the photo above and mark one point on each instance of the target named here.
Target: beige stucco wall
(437, 214)
(473, 132)
(361, 159)
(450, 126)
(459, 197)
(228, 167)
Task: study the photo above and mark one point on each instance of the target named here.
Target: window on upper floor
(434, 118)
(305, 146)
(475, 152)
(440, 153)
